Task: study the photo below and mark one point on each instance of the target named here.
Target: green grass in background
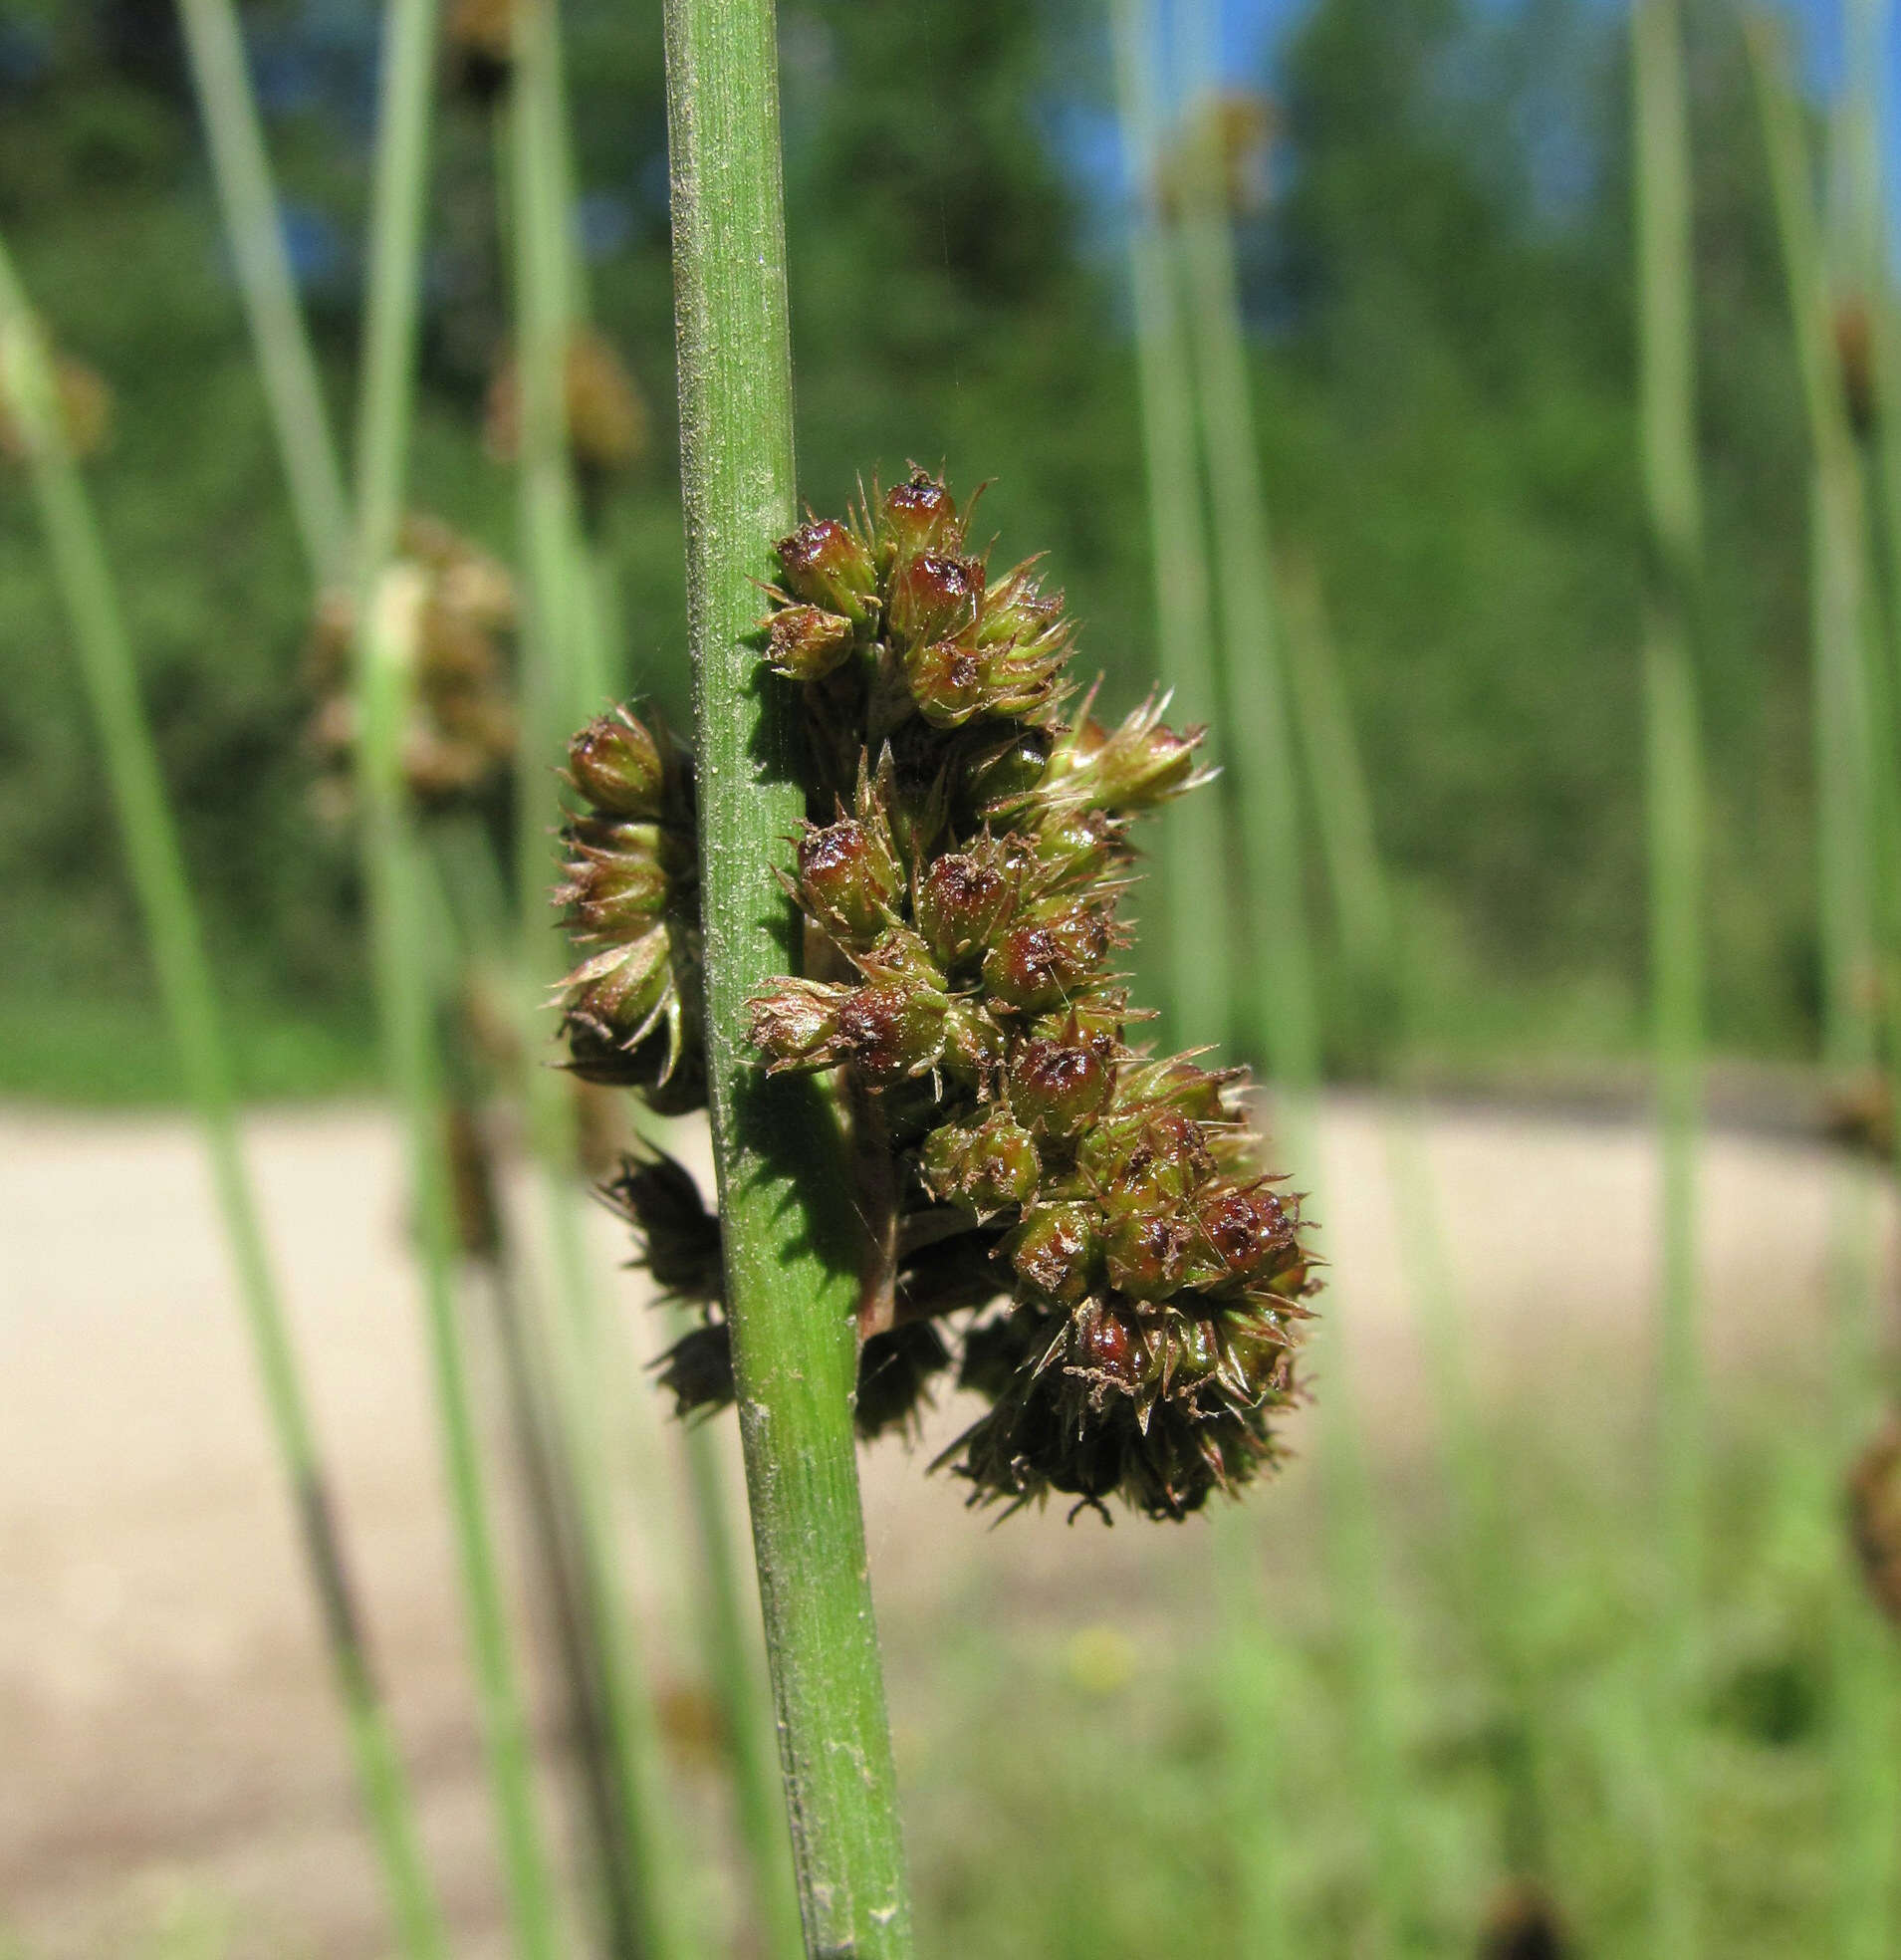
(1449, 433)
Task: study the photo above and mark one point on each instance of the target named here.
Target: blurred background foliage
(1440, 290)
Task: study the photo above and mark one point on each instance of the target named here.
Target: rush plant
(966, 845)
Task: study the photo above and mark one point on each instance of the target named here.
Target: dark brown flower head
(679, 1238)
(1075, 1229)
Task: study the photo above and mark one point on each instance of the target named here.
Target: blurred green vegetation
(1445, 373)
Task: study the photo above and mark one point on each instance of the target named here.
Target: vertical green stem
(1261, 759)
(172, 922)
(1363, 906)
(1862, 1704)
(558, 692)
(243, 177)
(789, 1254)
(1674, 798)
(1201, 963)
(399, 893)
(733, 1671)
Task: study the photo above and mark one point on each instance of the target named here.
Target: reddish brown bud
(1041, 965)
(807, 642)
(1147, 1251)
(616, 886)
(795, 1024)
(948, 682)
(920, 515)
(1057, 1087)
(1106, 1347)
(934, 597)
(894, 1029)
(992, 1165)
(1245, 1232)
(963, 901)
(825, 564)
(624, 989)
(1055, 1251)
(849, 877)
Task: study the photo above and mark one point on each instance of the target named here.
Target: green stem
(1861, 1703)
(1674, 798)
(1201, 963)
(732, 1669)
(400, 893)
(171, 922)
(790, 1255)
(242, 174)
(558, 692)
(1262, 760)
(1363, 906)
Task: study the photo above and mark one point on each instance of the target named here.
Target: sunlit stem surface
(789, 1244)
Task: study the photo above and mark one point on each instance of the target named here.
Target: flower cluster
(1069, 1226)
(632, 1007)
(607, 416)
(462, 728)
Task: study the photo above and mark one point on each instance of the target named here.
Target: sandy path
(168, 1743)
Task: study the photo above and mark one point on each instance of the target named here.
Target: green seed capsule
(963, 901)
(935, 596)
(807, 642)
(826, 565)
(1057, 1089)
(1056, 1251)
(849, 877)
(617, 764)
(919, 515)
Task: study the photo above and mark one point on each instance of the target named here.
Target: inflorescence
(1068, 1225)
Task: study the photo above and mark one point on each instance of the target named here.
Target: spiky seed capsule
(963, 901)
(823, 563)
(919, 515)
(1059, 1087)
(617, 764)
(1056, 1251)
(936, 598)
(849, 877)
(1044, 962)
(807, 642)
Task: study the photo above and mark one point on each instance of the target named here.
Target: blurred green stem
(171, 922)
(401, 891)
(1674, 801)
(1363, 906)
(1261, 752)
(240, 169)
(790, 1251)
(1201, 962)
(1848, 813)
(558, 691)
